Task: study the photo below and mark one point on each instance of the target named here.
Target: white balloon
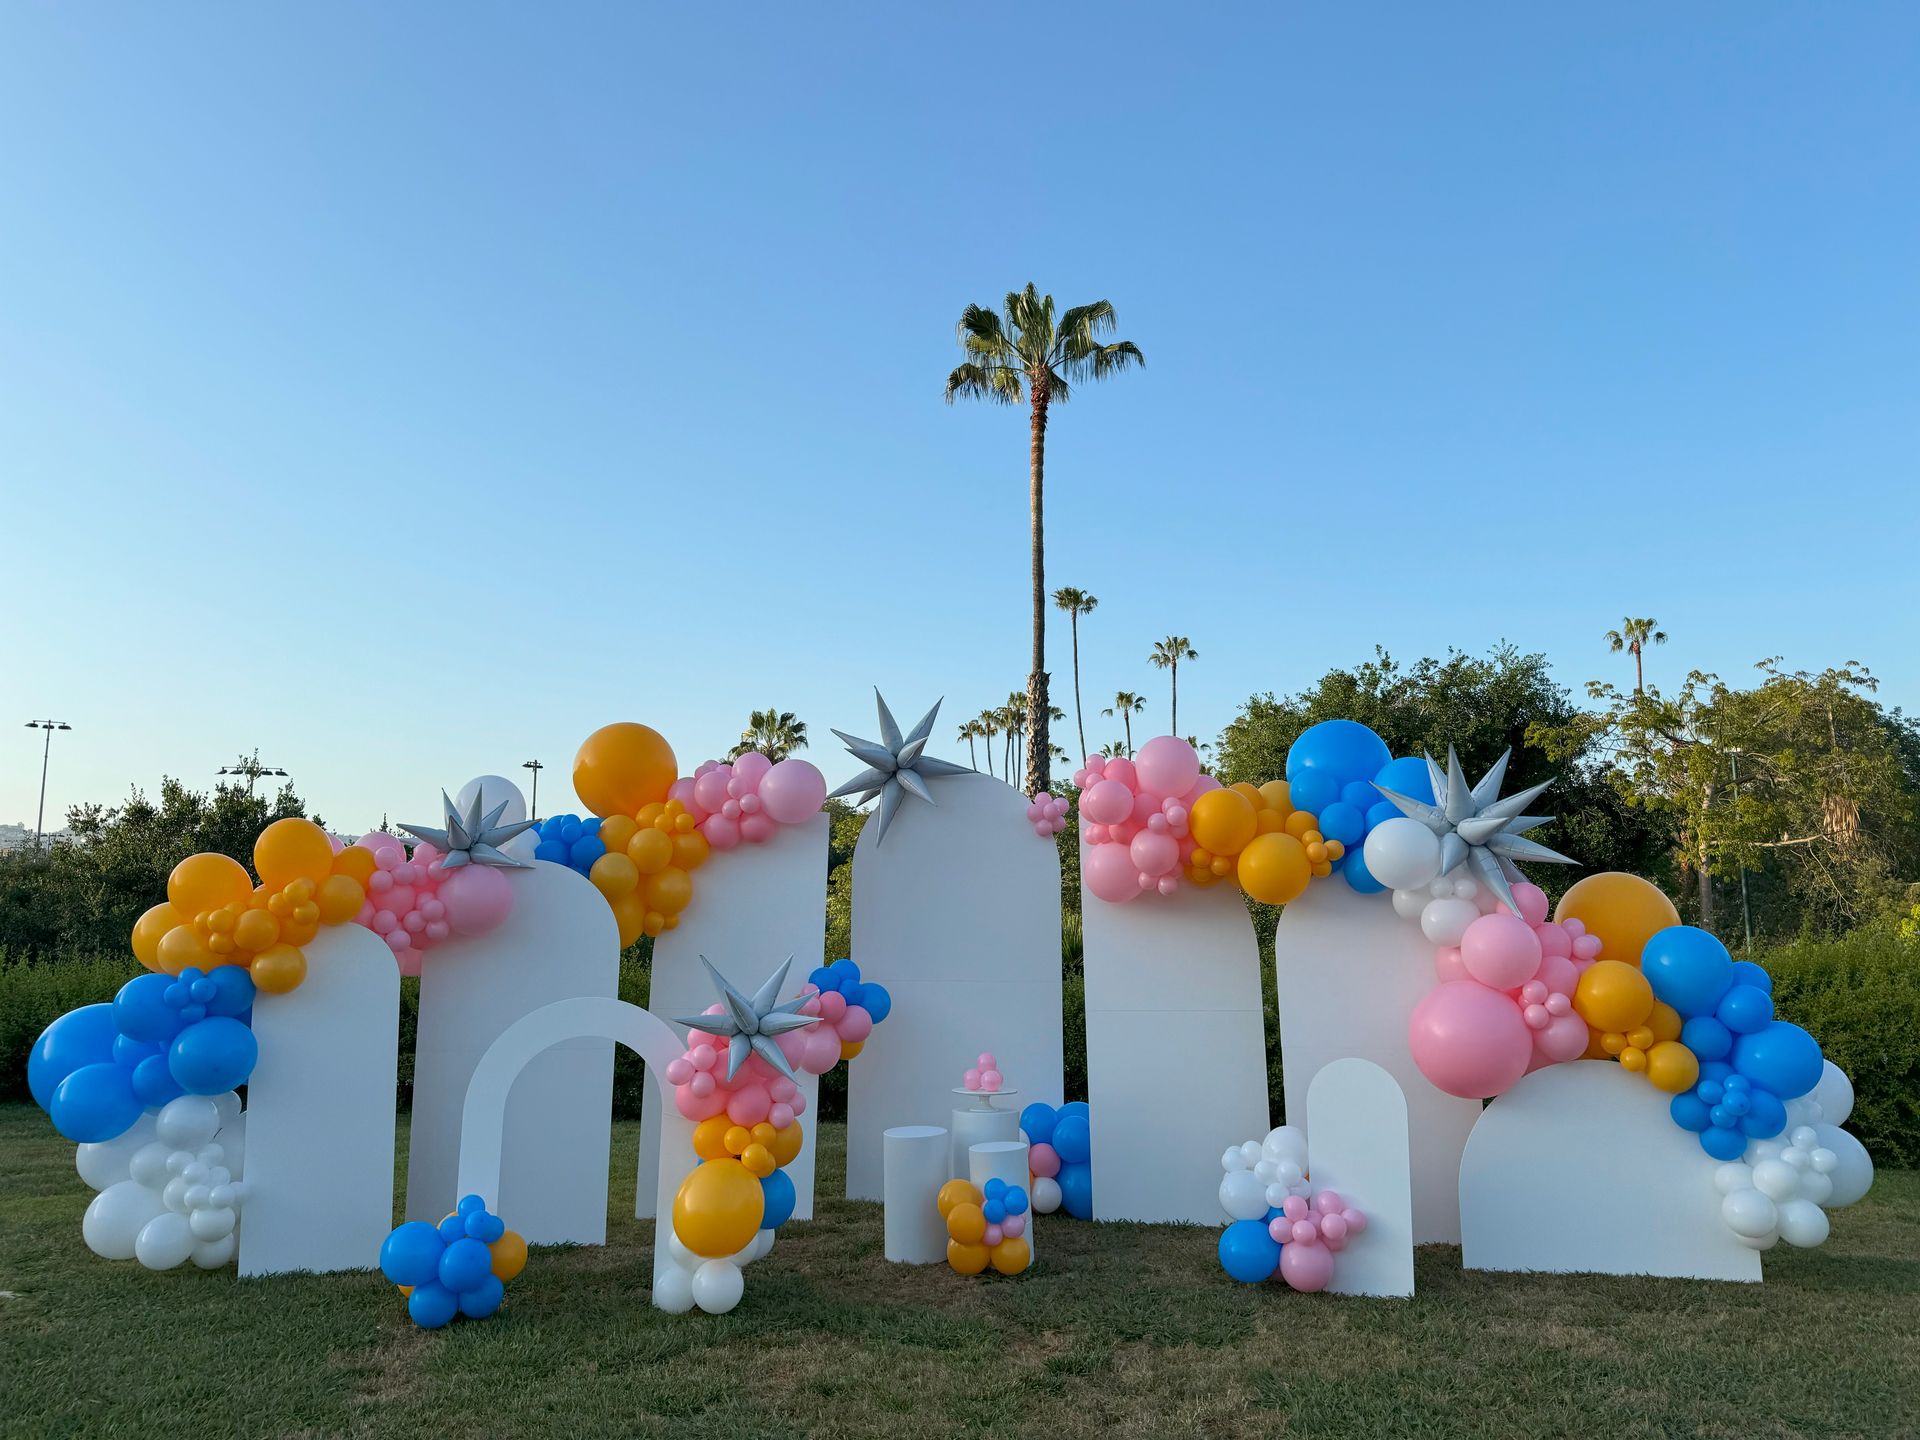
(224, 1197)
(199, 1197)
(174, 1197)
(522, 846)
(212, 1254)
(1732, 1176)
(164, 1242)
(1817, 1185)
(1402, 854)
(115, 1217)
(229, 1107)
(491, 790)
(1803, 1223)
(1776, 1179)
(1760, 1242)
(1802, 1110)
(1233, 1160)
(1408, 904)
(1243, 1196)
(108, 1162)
(1276, 1197)
(1465, 889)
(1852, 1172)
(1445, 921)
(1291, 1173)
(233, 1144)
(188, 1121)
(718, 1286)
(1286, 1142)
(1758, 1150)
(208, 1223)
(1748, 1212)
(1046, 1195)
(682, 1257)
(1251, 1152)
(673, 1291)
(765, 1243)
(149, 1164)
(1833, 1092)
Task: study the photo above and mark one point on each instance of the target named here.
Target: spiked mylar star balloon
(751, 1024)
(473, 838)
(1475, 826)
(896, 765)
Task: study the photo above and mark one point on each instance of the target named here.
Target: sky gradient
(407, 391)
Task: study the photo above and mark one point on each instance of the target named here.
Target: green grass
(1118, 1330)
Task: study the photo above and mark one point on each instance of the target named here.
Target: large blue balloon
(1407, 776)
(153, 1082)
(411, 1254)
(95, 1103)
(1076, 1190)
(1345, 749)
(79, 1037)
(464, 1264)
(1688, 969)
(1314, 791)
(1341, 821)
(141, 1009)
(1780, 1057)
(1248, 1251)
(233, 990)
(1038, 1121)
(875, 1000)
(1077, 1107)
(1073, 1139)
(432, 1306)
(213, 1056)
(776, 1190)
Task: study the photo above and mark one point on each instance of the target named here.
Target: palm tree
(1633, 636)
(989, 723)
(774, 733)
(968, 732)
(1113, 749)
(1126, 705)
(1027, 356)
(1013, 720)
(1076, 603)
(1167, 655)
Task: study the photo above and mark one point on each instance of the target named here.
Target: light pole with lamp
(251, 768)
(46, 751)
(533, 808)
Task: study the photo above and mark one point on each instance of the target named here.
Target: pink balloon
(1306, 1267)
(1468, 1040)
(1014, 1226)
(1146, 807)
(410, 960)
(1120, 768)
(748, 771)
(1043, 1160)
(1124, 832)
(722, 833)
(1107, 802)
(995, 1234)
(376, 841)
(856, 1025)
(749, 1105)
(757, 829)
(822, 1051)
(477, 897)
(1199, 788)
(1565, 1038)
(1111, 874)
(1558, 974)
(793, 791)
(780, 1115)
(1154, 852)
(1448, 965)
(1533, 902)
(1167, 765)
(680, 1071)
(699, 1107)
(832, 1006)
(1500, 950)
(710, 789)
(1554, 940)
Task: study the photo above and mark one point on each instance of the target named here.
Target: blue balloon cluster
(843, 976)
(1332, 769)
(1002, 1200)
(568, 840)
(449, 1265)
(1069, 1131)
(97, 1069)
(1248, 1251)
(1750, 1063)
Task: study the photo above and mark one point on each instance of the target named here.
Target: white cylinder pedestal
(978, 1127)
(1003, 1160)
(914, 1167)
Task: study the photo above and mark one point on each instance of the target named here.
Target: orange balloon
(292, 849)
(1623, 910)
(1278, 797)
(1672, 1067)
(690, 849)
(650, 850)
(278, 969)
(616, 831)
(614, 875)
(967, 1222)
(1664, 1023)
(1300, 822)
(356, 861)
(1012, 1256)
(1613, 997)
(151, 928)
(1222, 821)
(206, 882)
(339, 899)
(1251, 792)
(621, 767)
(1274, 868)
(256, 930)
(710, 1137)
(759, 1160)
(850, 1048)
(967, 1259)
(630, 915)
(509, 1256)
(180, 947)
(957, 1192)
(669, 891)
(787, 1142)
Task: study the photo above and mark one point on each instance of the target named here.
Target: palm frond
(997, 383)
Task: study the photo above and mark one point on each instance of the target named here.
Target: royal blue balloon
(1687, 967)
(483, 1299)
(451, 1229)
(484, 1227)
(1780, 1057)
(590, 825)
(411, 1254)
(470, 1205)
(130, 1052)
(1745, 972)
(1038, 1121)
(876, 1000)
(95, 1103)
(585, 852)
(1707, 1038)
(823, 979)
(1358, 876)
(213, 1056)
(848, 972)
(1744, 1009)
(778, 1199)
(1407, 776)
(570, 829)
(551, 850)
(464, 1264)
(1076, 1190)
(79, 1037)
(1360, 795)
(142, 1012)
(995, 1211)
(1073, 1139)
(1343, 822)
(1077, 1107)
(432, 1306)
(1314, 790)
(994, 1188)
(1766, 1115)
(1015, 1200)
(1248, 1251)
(153, 1082)
(1380, 812)
(1344, 749)
(1690, 1112)
(1723, 1144)
(233, 990)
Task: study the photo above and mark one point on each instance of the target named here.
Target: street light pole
(1746, 915)
(533, 812)
(251, 768)
(46, 751)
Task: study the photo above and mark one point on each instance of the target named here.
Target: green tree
(1024, 354)
(1126, 705)
(1634, 636)
(1076, 603)
(969, 732)
(1167, 655)
(774, 733)
(989, 723)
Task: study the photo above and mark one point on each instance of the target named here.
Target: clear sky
(406, 390)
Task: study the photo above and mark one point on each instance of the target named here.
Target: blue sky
(408, 390)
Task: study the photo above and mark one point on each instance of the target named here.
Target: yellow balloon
(718, 1209)
(1270, 820)
(710, 1137)
(851, 1048)
(690, 849)
(630, 915)
(967, 1222)
(180, 947)
(621, 767)
(292, 849)
(617, 830)
(957, 1192)
(759, 1161)
(1613, 997)
(1664, 1023)
(786, 1143)
(509, 1256)
(614, 875)
(1012, 1256)
(1274, 868)
(1278, 797)
(669, 891)
(1672, 1067)
(151, 928)
(206, 882)
(339, 899)
(1300, 822)
(650, 850)
(356, 861)
(1251, 792)
(256, 930)
(967, 1259)
(1222, 821)
(278, 969)
(1623, 910)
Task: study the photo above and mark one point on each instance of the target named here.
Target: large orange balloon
(150, 928)
(1274, 868)
(339, 899)
(206, 882)
(356, 861)
(1613, 997)
(669, 891)
(1623, 910)
(180, 947)
(1222, 821)
(718, 1209)
(292, 849)
(622, 767)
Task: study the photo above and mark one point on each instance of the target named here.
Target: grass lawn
(1118, 1330)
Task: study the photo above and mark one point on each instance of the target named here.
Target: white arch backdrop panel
(1171, 974)
(1580, 1167)
(320, 1108)
(1357, 1147)
(752, 907)
(958, 915)
(1349, 972)
(559, 942)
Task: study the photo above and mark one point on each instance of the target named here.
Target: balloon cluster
(459, 1267)
(986, 1225)
(1060, 1157)
(414, 902)
(1261, 1175)
(215, 915)
(983, 1077)
(1276, 1225)
(170, 1186)
(1776, 1191)
(98, 1069)
(1048, 814)
(1333, 771)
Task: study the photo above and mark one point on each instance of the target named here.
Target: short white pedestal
(1002, 1160)
(978, 1127)
(914, 1165)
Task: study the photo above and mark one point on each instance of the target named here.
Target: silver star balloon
(751, 1023)
(1476, 826)
(897, 765)
(473, 838)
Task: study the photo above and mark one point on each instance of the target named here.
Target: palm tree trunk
(1127, 720)
(1037, 700)
(1639, 674)
(1174, 720)
(1079, 724)
(973, 756)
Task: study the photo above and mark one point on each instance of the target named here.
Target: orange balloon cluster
(622, 774)
(1626, 1021)
(1253, 834)
(215, 915)
(762, 1148)
(963, 1207)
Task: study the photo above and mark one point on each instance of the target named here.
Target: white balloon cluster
(1444, 907)
(1776, 1191)
(1261, 1174)
(171, 1187)
(714, 1285)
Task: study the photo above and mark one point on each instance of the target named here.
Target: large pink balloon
(710, 789)
(792, 791)
(1500, 950)
(1111, 874)
(1107, 802)
(1154, 852)
(477, 897)
(1167, 765)
(1468, 1040)
(748, 771)
(1306, 1267)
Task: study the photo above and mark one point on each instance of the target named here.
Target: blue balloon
(1723, 1144)
(1343, 822)
(432, 1306)
(95, 1103)
(79, 1037)
(1408, 776)
(142, 1012)
(411, 1254)
(995, 1211)
(1744, 1009)
(994, 1188)
(1248, 1251)
(484, 1227)
(1073, 1139)
(551, 850)
(778, 1199)
(1314, 790)
(1380, 812)
(1766, 1115)
(451, 1229)
(1745, 972)
(153, 1082)
(1358, 876)
(464, 1264)
(824, 979)
(213, 1056)
(483, 1299)
(470, 1205)
(232, 991)
(1038, 1121)
(1015, 1200)
(1690, 1112)
(1344, 749)
(1707, 1038)
(1687, 967)
(590, 825)
(848, 972)
(876, 1000)
(130, 1052)
(1360, 795)
(570, 829)
(1780, 1057)
(1076, 1190)
(585, 852)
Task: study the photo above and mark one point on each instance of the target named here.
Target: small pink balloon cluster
(1311, 1235)
(984, 1075)
(750, 798)
(413, 902)
(1133, 816)
(759, 1092)
(1048, 814)
(1504, 1004)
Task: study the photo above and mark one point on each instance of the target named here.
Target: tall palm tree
(1126, 705)
(1633, 636)
(1167, 655)
(1113, 749)
(969, 732)
(774, 733)
(989, 723)
(1013, 719)
(1076, 603)
(1026, 355)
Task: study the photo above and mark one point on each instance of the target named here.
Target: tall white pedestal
(916, 1167)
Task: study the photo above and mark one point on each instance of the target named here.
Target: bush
(33, 996)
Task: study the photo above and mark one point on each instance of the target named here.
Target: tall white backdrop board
(752, 908)
(1357, 1147)
(559, 942)
(320, 1108)
(1348, 973)
(1180, 975)
(1580, 1167)
(957, 913)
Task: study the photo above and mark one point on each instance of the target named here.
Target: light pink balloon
(1558, 974)
(1146, 808)
(1533, 902)
(1554, 940)
(1468, 1040)
(1043, 1160)
(1500, 951)
(1120, 768)
(995, 1234)
(477, 897)
(699, 1106)
(1167, 765)
(1565, 1038)
(749, 770)
(856, 1025)
(1199, 788)
(1107, 802)
(757, 829)
(780, 1115)
(822, 1050)
(1154, 852)
(710, 788)
(1014, 1226)
(721, 833)
(749, 1105)
(1111, 874)
(1306, 1267)
(1448, 965)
